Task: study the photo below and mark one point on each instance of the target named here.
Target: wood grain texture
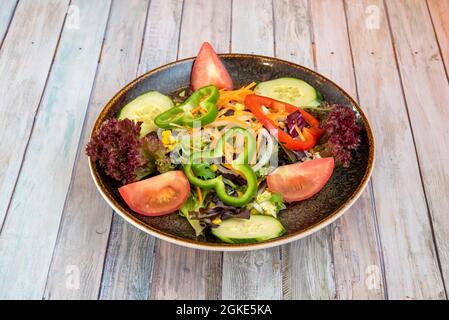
(38, 200)
(307, 268)
(438, 10)
(129, 260)
(186, 274)
(411, 268)
(426, 91)
(128, 266)
(85, 227)
(254, 274)
(181, 273)
(294, 34)
(252, 27)
(7, 8)
(204, 20)
(164, 18)
(25, 60)
(354, 239)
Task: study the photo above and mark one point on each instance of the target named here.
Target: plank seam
(278, 248)
(100, 289)
(9, 24)
(230, 27)
(34, 121)
(220, 290)
(437, 41)
(370, 184)
(312, 35)
(157, 241)
(143, 35)
(329, 228)
(429, 213)
(274, 28)
(180, 28)
(77, 156)
(379, 241)
(137, 72)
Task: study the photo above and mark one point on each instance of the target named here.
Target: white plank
(161, 35)
(307, 268)
(180, 272)
(25, 60)
(411, 268)
(85, 226)
(426, 91)
(293, 36)
(253, 274)
(7, 8)
(439, 10)
(214, 26)
(125, 257)
(30, 230)
(354, 240)
(252, 27)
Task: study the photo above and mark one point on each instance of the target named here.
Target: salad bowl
(299, 218)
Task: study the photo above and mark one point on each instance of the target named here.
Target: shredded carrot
(301, 136)
(225, 122)
(226, 96)
(200, 109)
(196, 110)
(200, 195)
(224, 110)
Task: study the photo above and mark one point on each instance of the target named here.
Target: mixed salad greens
(227, 160)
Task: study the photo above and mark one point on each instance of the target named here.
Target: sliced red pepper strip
(311, 135)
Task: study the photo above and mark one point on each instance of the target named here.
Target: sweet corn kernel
(239, 107)
(217, 220)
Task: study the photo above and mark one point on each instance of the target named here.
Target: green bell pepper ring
(240, 164)
(205, 98)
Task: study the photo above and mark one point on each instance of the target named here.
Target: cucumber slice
(291, 90)
(145, 108)
(258, 228)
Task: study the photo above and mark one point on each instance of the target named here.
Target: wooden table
(61, 60)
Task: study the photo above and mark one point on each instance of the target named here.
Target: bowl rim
(217, 246)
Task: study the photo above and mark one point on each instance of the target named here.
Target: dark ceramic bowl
(300, 219)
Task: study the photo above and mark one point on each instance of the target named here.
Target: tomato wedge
(209, 70)
(300, 181)
(158, 195)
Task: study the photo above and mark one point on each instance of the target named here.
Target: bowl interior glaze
(300, 219)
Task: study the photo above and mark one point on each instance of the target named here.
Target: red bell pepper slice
(310, 134)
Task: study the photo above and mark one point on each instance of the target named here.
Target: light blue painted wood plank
(253, 274)
(29, 233)
(85, 226)
(25, 60)
(7, 8)
(129, 260)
